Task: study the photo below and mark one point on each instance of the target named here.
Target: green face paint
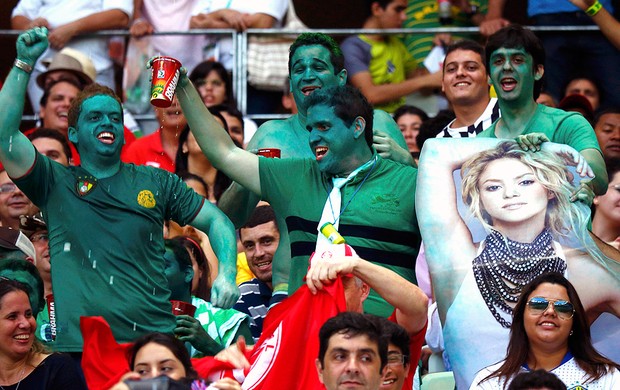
(99, 128)
(513, 75)
(311, 69)
(333, 142)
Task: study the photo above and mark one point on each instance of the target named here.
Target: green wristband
(594, 8)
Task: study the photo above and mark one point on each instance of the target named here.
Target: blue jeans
(579, 54)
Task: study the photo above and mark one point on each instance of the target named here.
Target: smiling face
(335, 144)
(13, 202)
(154, 359)
(99, 130)
(513, 76)
(17, 325)
(54, 114)
(260, 244)
(464, 78)
(311, 69)
(212, 89)
(546, 330)
(607, 131)
(351, 362)
(512, 196)
(409, 125)
(395, 371)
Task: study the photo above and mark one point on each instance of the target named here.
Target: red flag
(104, 361)
(285, 353)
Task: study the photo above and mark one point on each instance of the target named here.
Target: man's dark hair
(516, 36)
(537, 379)
(309, 39)
(46, 132)
(348, 103)
(260, 215)
(610, 110)
(88, 92)
(398, 336)
(48, 90)
(469, 45)
(353, 324)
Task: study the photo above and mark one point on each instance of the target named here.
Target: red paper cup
(182, 308)
(164, 80)
(51, 309)
(269, 152)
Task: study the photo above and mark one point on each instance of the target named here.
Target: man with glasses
(13, 202)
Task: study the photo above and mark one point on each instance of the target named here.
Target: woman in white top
(550, 331)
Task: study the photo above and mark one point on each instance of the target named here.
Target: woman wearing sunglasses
(550, 331)
(524, 200)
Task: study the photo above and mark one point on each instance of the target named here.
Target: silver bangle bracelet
(23, 66)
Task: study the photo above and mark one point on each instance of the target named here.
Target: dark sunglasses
(564, 309)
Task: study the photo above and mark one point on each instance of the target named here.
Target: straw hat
(70, 60)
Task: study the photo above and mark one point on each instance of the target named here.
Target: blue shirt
(254, 301)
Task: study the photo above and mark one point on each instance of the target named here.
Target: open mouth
(320, 152)
(263, 265)
(461, 84)
(63, 115)
(388, 382)
(508, 84)
(106, 137)
(22, 337)
(309, 89)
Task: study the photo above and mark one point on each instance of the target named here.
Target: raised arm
(408, 299)
(16, 152)
(608, 25)
(223, 239)
(238, 164)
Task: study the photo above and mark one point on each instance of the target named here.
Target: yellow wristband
(594, 8)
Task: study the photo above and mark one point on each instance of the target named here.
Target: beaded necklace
(504, 267)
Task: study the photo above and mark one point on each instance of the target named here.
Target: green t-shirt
(378, 215)
(106, 245)
(568, 128)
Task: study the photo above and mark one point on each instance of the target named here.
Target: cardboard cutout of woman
(523, 200)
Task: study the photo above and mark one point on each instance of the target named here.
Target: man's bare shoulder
(284, 134)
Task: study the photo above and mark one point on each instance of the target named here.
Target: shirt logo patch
(85, 184)
(146, 199)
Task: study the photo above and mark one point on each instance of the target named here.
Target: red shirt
(149, 150)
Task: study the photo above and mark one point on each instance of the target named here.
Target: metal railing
(240, 49)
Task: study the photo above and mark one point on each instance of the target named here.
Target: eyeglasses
(8, 188)
(564, 309)
(394, 359)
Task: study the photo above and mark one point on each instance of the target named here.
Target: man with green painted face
(373, 197)
(105, 218)
(515, 59)
(315, 61)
